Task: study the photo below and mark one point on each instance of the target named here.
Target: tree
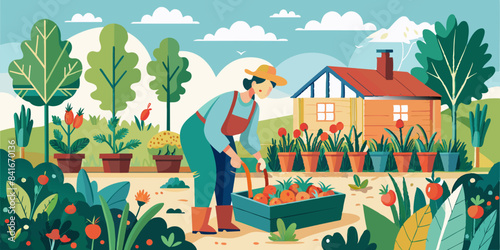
(478, 128)
(170, 72)
(46, 75)
(453, 64)
(112, 70)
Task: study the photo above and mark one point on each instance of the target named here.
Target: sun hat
(269, 73)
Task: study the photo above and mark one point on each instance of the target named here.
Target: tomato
(68, 117)
(287, 196)
(275, 201)
(475, 212)
(43, 179)
(260, 198)
(389, 198)
(269, 190)
(294, 188)
(70, 209)
(302, 196)
(434, 191)
(93, 231)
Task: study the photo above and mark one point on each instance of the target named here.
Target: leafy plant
(272, 156)
(58, 143)
(174, 182)
(313, 143)
(413, 233)
(94, 119)
(358, 184)
(484, 234)
(429, 143)
(116, 135)
(170, 72)
(115, 195)
(358, 145)
(46, 75)
(335, 144)
(24, 207)
(144, 115)
(381, 146)
(23, 124)
(337, 242)
(383, 231)
(403, 201)
(478, 128)
(286, 144)
(285, 234)
(453, 64)
(399, 144)
(170, 242)
(174, 211)
(450, 146)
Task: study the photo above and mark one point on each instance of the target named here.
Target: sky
(208, 16)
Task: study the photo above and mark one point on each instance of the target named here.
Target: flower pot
(334, 160)
(357, 160)
(168, 163)
(449, 160)
(310, 161)
(116, 163)
(379, 160)
(403, 161)
(286, 161)
(426, 160)
(69, 163)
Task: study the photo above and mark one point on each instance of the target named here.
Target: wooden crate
(304, 213)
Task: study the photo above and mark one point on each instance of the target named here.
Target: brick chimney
(385, 63)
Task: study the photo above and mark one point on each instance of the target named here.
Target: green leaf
(45, 205)
(413, 233)
(79, 145)
(290, 233)
(176, 243)
(357, 180)
(406, 198)
(21, 199)
(364, 184)
(484, 234)
(100, 138)
(383, 231)
(141, 223)
(122, 230)
(58, 135)
(281, 228)
(59, 146)
(402, 210)
(46, 74)
(121, 133)
(274, 237)
(419, 201)
(447, 229)
(110, 224)
(353, 186)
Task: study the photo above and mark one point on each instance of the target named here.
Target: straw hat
(269, 73)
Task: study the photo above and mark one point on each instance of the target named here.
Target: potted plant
(449, 154)
(379, 153)
(286, 149)
(334, 153)
(355, 149)
(425, 155)
(69, 161)
(403, 149)
(164, 146)
(310, 149)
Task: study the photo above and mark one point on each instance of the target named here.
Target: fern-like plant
(111, 139)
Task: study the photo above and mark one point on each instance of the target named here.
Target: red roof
(371, 83)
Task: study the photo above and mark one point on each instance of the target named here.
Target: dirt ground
(252, 238)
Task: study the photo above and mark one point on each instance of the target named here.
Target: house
(369, 99)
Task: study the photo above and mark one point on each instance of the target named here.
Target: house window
(325, 112)
(400, 112)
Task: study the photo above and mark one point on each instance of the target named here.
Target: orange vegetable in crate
(294, 188)
(261, 198)
(302, 196)
(287, 196)
(313, 191)
(269, 190)
(327, 193)
(275, 201)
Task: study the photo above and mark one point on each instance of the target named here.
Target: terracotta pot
(286, 161)
(168, 163)
(357, 160)
(449, 160)
(69, 163)
(310, 161)
(426, 160)
(116, 163)
(403, 161)
(334, 160)
(379, 160)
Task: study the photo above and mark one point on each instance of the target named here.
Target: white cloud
(401, 31)
(87, 18)
(334, 21)
(163, 16)
(284, 14)
(241, 31)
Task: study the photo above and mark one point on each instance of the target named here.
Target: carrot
(275, 201)
(287, 196)
(302, 196)
(260, 198)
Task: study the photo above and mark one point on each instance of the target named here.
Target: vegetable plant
(313, 142)
(358, 184)
(478, 128)
(354, 144)
(284, 233)
(144, 116)
(400, 144)
(337, 242)
(335, 144)
(165, 143)
(23, 124)
(72, 123)
(429, 143)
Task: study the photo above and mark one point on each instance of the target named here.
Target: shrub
(174, 182)
(285, 234)
(273, 161)
(337, 242)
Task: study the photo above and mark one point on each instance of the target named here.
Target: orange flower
(65, 239)
(324, 136)
(333, 128)
(142, 197)
(340, 125)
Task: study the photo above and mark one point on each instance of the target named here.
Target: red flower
(297, 133)
(340, 126)
(70, 209)
(282, 132)
(65, 239)
(324, 136)
(68, 117)
(54, 235)
(145, 113)
(400, 124)
(43, 179)
(304, 126)
(333, 128)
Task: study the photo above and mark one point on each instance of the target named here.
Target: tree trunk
(476, 157)
(22, 153)
(168, 106)
(46, 130)
(454, 122)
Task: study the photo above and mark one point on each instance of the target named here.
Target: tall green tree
(170, 71)
(454, 64)
(112, 70)
(46, 75)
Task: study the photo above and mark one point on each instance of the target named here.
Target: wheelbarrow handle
(266, 176)
(249, 178)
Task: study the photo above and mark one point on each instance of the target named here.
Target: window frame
(325, 112)
(398, 111)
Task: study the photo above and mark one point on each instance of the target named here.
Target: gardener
(208, 144)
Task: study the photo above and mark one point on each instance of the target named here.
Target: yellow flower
(165, 138)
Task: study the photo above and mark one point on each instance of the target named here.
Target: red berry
(43, 179)
(496, 197)
(28, 243)
(149, 242)
(6, 221)
(488, 203)
(70, 209)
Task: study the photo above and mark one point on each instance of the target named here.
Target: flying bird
(241, 52)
